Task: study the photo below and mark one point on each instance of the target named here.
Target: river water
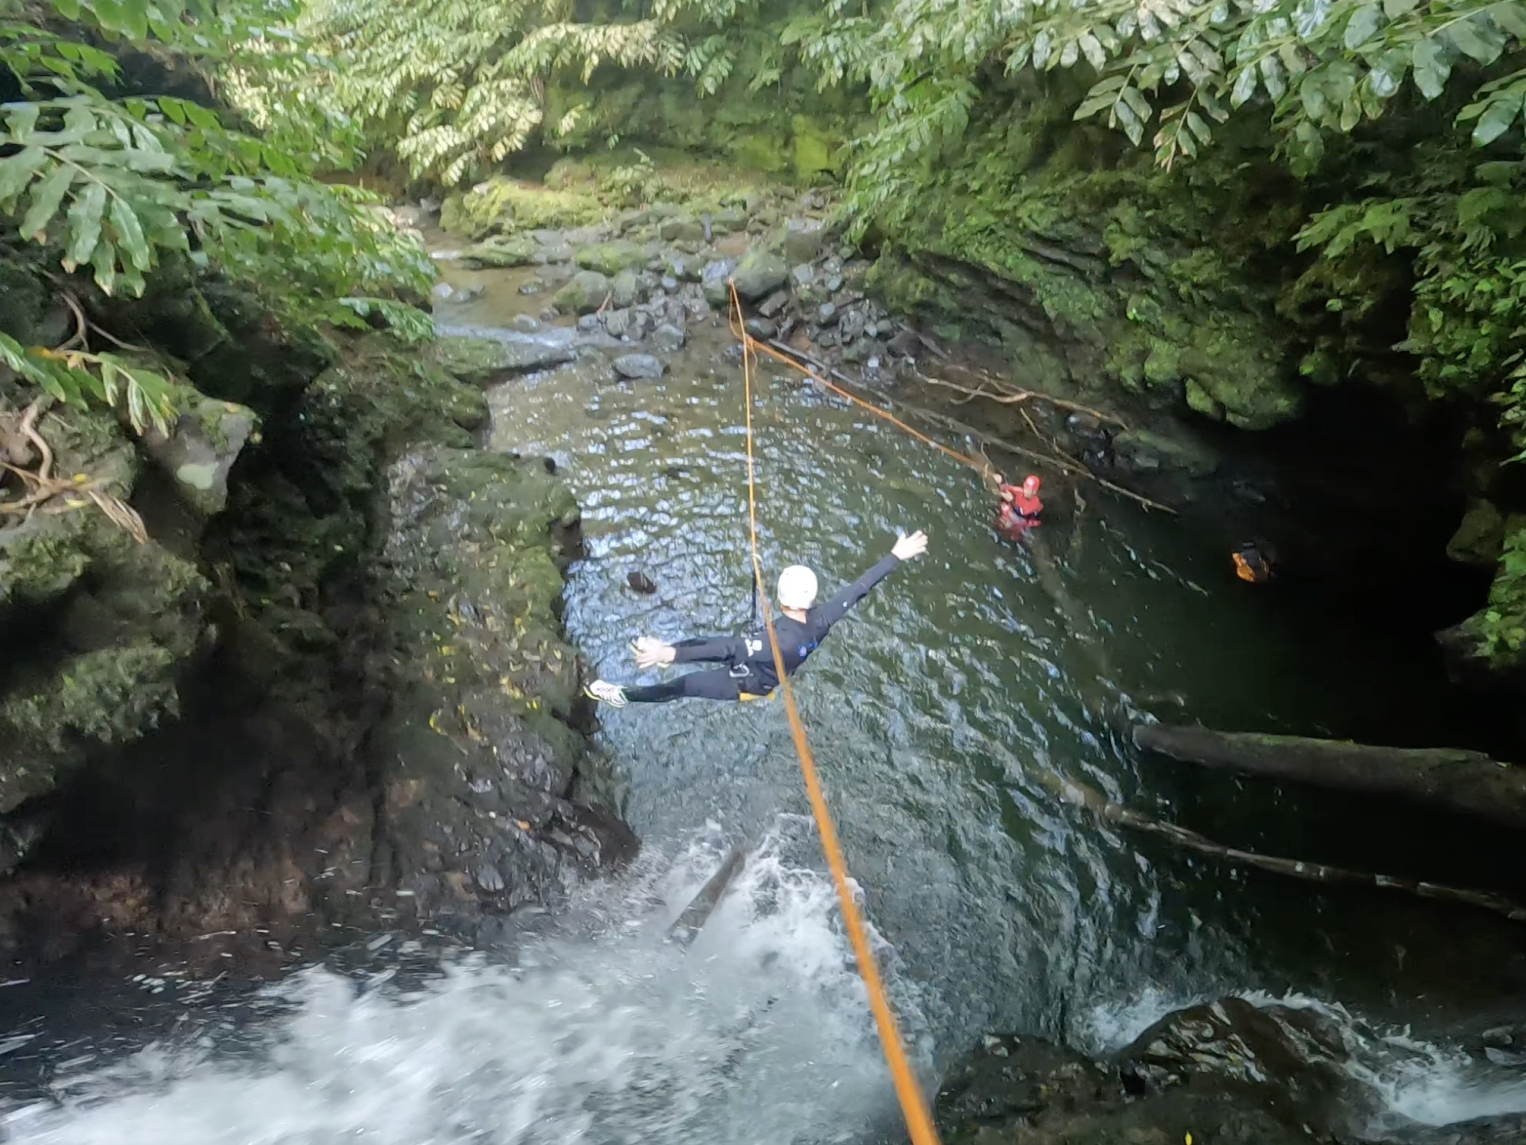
(936, 710)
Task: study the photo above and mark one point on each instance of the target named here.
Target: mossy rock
(503, 205)
(627, 289)
(1494, 637)
(760, 273)
(1479, 536)
(1041, 237)
(120, 620)
(612, 257)
(503, 251)
(584, 293)
(681, 228)
(814, 150)
(483, 362)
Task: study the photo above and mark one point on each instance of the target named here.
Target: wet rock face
(1022, 1091)
(477, 755)
(368, 712)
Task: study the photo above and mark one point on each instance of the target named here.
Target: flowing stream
(936, 710)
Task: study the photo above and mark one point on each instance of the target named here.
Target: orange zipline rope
(918, 1122)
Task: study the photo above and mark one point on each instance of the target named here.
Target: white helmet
(797, 587)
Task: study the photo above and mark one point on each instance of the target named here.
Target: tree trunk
(1466, 782)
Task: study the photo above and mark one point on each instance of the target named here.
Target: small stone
(588, 323)
(617, 322)
(851, 324)
(641, 583)
(803, 275)
(669, 283)
(713, 282)
(761, 328)
(638, 366)
(834, 283)
(668, 338)
(773, 304)
(549, 314)
(534, 286)
(826, 314)
(832, 265)
(488, 878)
(524, 324)
(859, 351)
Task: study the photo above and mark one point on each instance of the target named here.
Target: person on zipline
(750, 672)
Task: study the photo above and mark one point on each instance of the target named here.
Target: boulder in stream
(759, 273)
(669, 338)
(584, 293)
(627, 289)
(637, 366)
(491, 355)
(503, 251)
(1227, 1073)
(612, 257)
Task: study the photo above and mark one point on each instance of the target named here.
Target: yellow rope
(918, 1122)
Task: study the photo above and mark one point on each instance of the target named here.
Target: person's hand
(907, 547)
(651, 652)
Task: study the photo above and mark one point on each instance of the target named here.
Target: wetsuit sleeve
(836, 608)
(732, 649)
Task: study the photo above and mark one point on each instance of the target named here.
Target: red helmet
(1030, 486)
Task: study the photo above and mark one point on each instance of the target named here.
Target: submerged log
(1467, 782)
(1081, 795)
(687, 926)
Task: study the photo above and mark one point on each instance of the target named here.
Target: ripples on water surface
(934, 709)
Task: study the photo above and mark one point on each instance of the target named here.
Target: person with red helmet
(1020, 507)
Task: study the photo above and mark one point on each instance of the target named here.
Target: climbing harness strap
(918, 1122)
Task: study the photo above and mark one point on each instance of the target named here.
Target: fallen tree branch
(1467, 782)
(1080, 795)
(1018, 397)
(1072, 468)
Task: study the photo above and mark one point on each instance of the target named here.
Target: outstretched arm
(905, 549)
(651, 652)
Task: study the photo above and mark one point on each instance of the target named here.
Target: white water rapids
(616, 1037)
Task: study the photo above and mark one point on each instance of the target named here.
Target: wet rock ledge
(1215, 1074)
(331, 690)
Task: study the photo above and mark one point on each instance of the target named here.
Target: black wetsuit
(749, 660)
